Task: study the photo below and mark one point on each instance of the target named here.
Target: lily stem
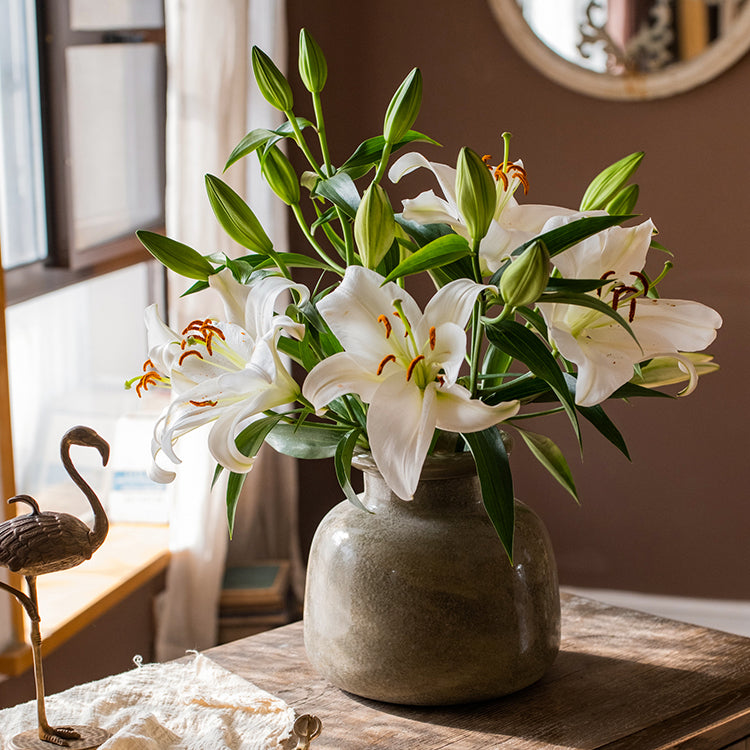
(313, 242)
(302, 143)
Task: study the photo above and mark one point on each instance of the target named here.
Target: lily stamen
(412, 365)
(604, 277)
(383, 362)
(642, 278)
(517, 171)
(204, 403)
(387, 323)
(432, 338)
(194, 325)
(186, 354)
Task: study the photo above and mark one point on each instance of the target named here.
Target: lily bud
(280, 175)
(404, 108)
(475, 193)
(313, 68)
(624, 201)
(525, 279)
(374, 226)
(271, 82)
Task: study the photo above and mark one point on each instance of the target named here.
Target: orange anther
(387, 323)
(383, 362)
(412, 365)
(208, 326)
(186, 354)
(432, 338)
(194, 325)
(203, 403)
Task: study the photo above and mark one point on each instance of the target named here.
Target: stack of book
(254, 598)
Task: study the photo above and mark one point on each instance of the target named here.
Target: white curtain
(211, 104)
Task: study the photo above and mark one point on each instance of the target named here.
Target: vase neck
(447, 480)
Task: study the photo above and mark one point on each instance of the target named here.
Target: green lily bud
(475, 193)
(606, 184)
(313, 68)
(271, 82)
(280, 175)
(624, 201)
(525, 279)
(404, 108)
(374, 226)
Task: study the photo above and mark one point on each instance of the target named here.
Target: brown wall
(676, 519)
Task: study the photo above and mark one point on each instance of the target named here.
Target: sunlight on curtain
(209, 109)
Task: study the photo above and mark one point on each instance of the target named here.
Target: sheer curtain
(211, 105)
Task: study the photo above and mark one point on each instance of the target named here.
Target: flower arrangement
(536, 309)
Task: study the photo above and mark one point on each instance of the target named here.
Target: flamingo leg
(47, 733)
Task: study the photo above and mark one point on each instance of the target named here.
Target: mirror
(627, 49)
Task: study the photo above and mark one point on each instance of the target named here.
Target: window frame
(55, 37)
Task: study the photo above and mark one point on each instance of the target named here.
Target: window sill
(132, 555)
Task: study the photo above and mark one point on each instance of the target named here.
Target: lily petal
(400, 424)
(458, 412)
(336, 376)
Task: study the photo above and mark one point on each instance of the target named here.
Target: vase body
(417, 602)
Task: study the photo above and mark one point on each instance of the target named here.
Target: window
(81, 167)
(82, 138)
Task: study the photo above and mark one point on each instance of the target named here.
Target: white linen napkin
(187, 705)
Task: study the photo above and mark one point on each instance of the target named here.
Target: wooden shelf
(72, 599)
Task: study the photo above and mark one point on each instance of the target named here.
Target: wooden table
(622, 679)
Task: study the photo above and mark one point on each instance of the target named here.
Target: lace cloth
(188, 705)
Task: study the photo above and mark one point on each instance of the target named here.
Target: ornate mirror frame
(676, 79)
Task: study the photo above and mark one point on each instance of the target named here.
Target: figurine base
(91, 737)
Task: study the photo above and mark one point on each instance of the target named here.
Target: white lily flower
(220, 373)
(512, 225)
(603, 350)
(404, 364)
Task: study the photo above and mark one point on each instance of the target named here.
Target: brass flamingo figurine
(44, 542)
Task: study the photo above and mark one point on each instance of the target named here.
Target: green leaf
(495, 360)
(234, 487)
(369, 153)
(250, 440)
(307, 440)
(343, 464)
(259, 137)
(551, 457)
(631, 390)
(294, 260)
(575, 285)
(599, 419)
(254, 140)
(496, 481)
(199, 286)
(522, 388)
(236, 217)
(607, 183)
(175, 256)
(439, 252)
(341, 191)
(525, 346)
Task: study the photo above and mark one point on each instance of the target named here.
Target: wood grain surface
(623, 679)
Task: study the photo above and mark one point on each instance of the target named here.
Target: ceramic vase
(417, 602)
